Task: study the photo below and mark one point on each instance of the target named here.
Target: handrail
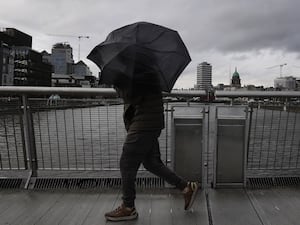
(106, 92)
(70, 91)
(17, 90)
(235, 94)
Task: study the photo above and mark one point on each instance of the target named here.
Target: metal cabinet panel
(188, 133)
(230, 154)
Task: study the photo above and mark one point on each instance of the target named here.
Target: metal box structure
(231, 145)
(188, 144)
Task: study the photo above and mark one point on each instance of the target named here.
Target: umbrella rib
(162, 33)
(156, 50)
(166, 82)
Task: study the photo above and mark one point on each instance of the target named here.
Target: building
(6, 65)
(29, 69)
(235, 80)
(285, 83)
(72, 80)
(46, 57)
(62, 58)
(204, 76)
(20, 63)
(66, 73)
(64, 80)
(81, 76)
(14, 37)
(7, 38)
(298, 83)
(81, 69)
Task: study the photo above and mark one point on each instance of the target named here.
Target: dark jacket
(143, 112)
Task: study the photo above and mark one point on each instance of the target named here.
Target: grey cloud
(240, 57)
(232, 25)
(251, 25)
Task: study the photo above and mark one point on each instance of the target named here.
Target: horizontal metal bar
(235, 94)
(188, 124)
(17, 90)
(186, 93)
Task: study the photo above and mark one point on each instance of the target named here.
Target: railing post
(29, 138)
(250, 114)
(285, 104)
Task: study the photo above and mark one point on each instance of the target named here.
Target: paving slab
(232, 207)
(280, 206)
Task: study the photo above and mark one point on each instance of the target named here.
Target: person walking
(144, 119)
(141, 60)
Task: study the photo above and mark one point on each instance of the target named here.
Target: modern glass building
(62, 58)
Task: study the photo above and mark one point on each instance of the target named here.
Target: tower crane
(73, 36)
(280, 66)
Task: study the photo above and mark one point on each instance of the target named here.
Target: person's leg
(130, 162)
(153, 163)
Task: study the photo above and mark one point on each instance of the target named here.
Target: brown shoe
(122, 213)
(189, 194)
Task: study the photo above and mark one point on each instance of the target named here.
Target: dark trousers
(143, 148)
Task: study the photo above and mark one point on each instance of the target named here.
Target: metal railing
(79, 135)
(274, 142)
(83, 132)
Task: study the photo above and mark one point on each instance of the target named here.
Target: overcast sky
(251, 35)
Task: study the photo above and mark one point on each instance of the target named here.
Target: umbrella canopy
(143, 53)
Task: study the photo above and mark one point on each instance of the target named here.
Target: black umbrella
(142, 53)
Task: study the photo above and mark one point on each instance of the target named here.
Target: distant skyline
(249, 35)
